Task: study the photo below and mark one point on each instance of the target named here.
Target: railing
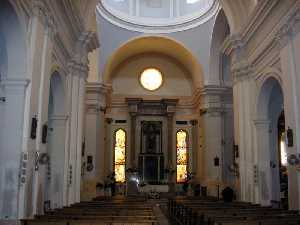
(182, 215)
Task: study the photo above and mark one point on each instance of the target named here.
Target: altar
(162, 188)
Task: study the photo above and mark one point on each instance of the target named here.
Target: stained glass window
(181, 152)
(120, 155)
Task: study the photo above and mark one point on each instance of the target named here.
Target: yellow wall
(176, 80)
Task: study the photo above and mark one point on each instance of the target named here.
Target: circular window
(151, 79)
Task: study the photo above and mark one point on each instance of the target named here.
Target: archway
(56, 143)
(270, 142)
(155, 44)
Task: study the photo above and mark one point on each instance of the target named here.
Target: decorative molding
(232, 43)
(163, 107)
(140, 25)
(15, 83)
(242, 71)
(96, 95)
(78, 68)
(289, 29)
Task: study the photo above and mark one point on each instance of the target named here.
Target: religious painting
(120, 155)
(151, 138)
(181, 156)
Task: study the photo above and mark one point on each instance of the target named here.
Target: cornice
(214, 90)
(98, 88)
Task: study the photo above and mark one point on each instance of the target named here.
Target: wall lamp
(2, 99)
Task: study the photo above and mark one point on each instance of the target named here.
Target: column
(288, 39)
(195, 143)
(263, 190)
(95, 140)
(11, 145)
(78, 73)
(133, 160)
(39, 186)
(212, 123)
(243, 102)
(171, 157)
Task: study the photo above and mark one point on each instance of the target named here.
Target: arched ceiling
(150, 44)
(236, 11)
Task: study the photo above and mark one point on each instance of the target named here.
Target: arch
(270, 106)
(57, 94)
(269, 85)
(219, 63)
(13, 37)
(158, 44)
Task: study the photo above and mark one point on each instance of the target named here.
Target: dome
(157, 15)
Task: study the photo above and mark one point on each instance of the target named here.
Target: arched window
(182, 156)
(120, 155)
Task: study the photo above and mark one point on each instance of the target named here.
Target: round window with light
(151, 79)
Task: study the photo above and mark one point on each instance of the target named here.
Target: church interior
(149, 112)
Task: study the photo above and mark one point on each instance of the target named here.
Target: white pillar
(11, 146)
(78, 74)
(42, 117)
(263, 190)
(289, 43)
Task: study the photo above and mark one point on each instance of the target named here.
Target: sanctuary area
(149, 112)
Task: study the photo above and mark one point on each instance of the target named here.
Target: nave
(180, 210)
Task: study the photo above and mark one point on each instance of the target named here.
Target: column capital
(96, 97)
(88, 40)
(241, 70)
(78, 68)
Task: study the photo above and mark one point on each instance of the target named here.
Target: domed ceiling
(157, 15)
